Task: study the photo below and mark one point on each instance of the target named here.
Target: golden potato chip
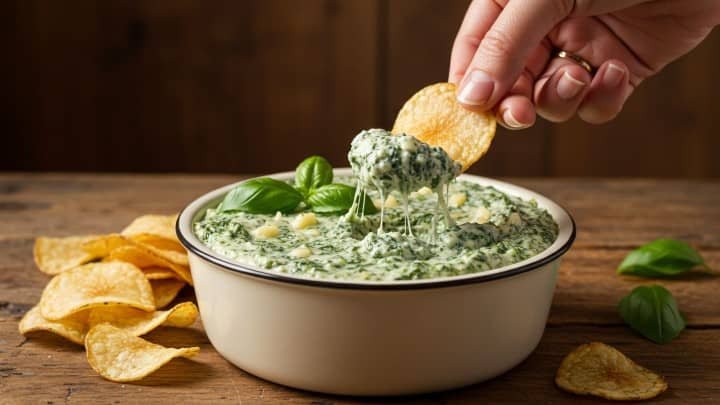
(158, 242)
(158, 273)
(72, 327)
(600, 370)
(162, 226)
(144, 258)
(55, 255)
(121, 356)
(139, 322)
(94, 285)
(101, 246)
(434, 116)
(165, 291)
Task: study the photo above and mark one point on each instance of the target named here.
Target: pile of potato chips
(109, 289)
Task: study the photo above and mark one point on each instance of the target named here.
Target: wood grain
(612, 216)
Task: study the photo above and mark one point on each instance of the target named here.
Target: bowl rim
(563, 242)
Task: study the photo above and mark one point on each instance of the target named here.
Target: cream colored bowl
(374, 338)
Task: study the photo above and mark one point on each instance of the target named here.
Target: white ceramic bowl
(374, 338)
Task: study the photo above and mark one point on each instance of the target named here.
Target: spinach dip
(427, 225)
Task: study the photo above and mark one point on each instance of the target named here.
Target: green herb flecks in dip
(386, 163)
(493, 230)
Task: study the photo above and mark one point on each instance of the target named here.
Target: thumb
(505, 49)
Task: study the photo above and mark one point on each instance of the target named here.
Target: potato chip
(101, 246)
(162, 226)
(158, 242)
(72, 328)
(165, 291)
(143, 257)
(600, 370)
(158, 273)
(55, 255)
(434, 116)
(94, 285)
(139, 322)
(120, 356)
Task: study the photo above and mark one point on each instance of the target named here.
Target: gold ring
(577, 59)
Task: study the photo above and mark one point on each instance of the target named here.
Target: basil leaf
(661, 258)
(312, 173)
(652, 312)
(262, 196)
(336, 198)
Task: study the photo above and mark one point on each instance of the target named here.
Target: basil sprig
(262, 196)
(661, 258)
(313, 173)
(652, 312)
(337, 198)
(313, 186)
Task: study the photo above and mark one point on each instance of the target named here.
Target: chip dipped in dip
(407, 179)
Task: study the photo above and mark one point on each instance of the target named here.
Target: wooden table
(613, 216)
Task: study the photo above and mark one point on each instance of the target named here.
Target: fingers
(607, 94)
(516, 110)
(478, 19)
(561, 89)
(505, 48)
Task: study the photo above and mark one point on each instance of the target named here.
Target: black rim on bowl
(472, 278)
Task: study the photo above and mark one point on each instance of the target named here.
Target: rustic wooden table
(613, 216)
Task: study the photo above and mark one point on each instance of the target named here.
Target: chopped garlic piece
(425, 191)
(300, 253)
(278, 216)
(303, 221)
(482, 215)
(457, 200)
(391, 202)
(266, 232)
(514, 219)
(377, 203)
(312, 232)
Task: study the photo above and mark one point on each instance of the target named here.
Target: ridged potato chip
(72, 327)
(119, 356)
(94, 285)
(601, 370)
(434, 116)
(165, 291)
(162, 226)
(139, 322)
(55, 255)
(144, 257)
(158, 273)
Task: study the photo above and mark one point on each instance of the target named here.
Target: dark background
(255, 86)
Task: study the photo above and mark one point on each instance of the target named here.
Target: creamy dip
(489, 229)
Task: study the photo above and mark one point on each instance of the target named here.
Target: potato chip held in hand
(600, 370)
(434, 116)
(55, 255)
(118, 355)
(94, 285)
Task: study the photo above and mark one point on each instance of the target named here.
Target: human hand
(504, 57)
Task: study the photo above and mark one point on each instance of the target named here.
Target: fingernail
(568, 87)
(614, 74)
(477, 89)
(511, 121)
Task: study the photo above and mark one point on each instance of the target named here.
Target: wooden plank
(419, 40)
(211, 86)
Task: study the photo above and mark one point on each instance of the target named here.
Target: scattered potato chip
(72, 328)
(139, 322)
(434, 116)
(101, 246)
(158, 273)
(144, 258)
(120, 356)
(165, 291)
(600, 370)
(162, 226)
(158, 242)
(55, 255)
(94, 285)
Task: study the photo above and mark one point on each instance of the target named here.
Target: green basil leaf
(652, 312)
(312, 173)
(262, 196)
(336, 198)
(661, 258)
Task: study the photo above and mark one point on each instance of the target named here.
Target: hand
(503, 56)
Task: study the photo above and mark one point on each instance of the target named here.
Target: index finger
(480, 16)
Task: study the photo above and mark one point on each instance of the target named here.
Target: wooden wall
(254, 86)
